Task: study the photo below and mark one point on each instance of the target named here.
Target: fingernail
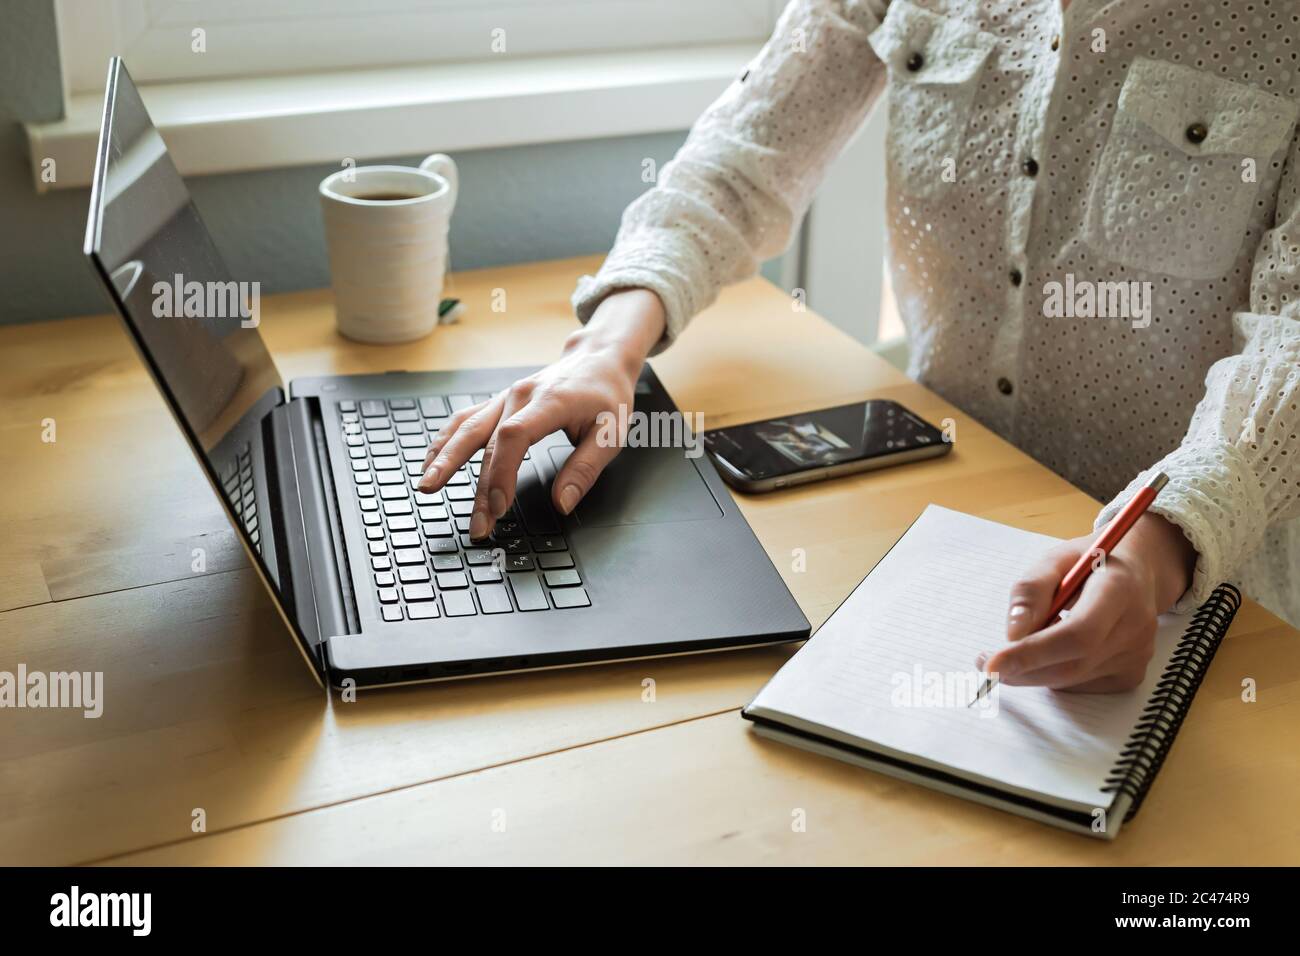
(430, 478)
(569, 498)
(478, 525)
(1017, 612)
(981, 660)
(497, 502)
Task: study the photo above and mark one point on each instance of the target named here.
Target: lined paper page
(895, 666)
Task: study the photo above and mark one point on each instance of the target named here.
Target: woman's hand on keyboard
(595, 375)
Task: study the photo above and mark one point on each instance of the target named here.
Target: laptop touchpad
(643, 486)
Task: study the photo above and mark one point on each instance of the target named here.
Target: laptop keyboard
(422, 563)
(237, 482)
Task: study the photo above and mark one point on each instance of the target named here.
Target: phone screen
(829, 436)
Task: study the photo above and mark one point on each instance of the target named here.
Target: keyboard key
(459, 478)
(386, 463)
(462, 509)
(405, 539)
(391, 478)
(408, 428)
(562, 579)
(528, 592)
(433, 513)
(484, 574)
(381, 564)
(347, 406)
(376, 423)
(493, 599)
(438, 529)
(554, 559)
(458, 603)
(425, 498)
(356, 453)
(405, 415)
(367, 491)
(383, 449)
(451, 580)
(533, 500)
(462, 522)
(362, 477)
(549, 543)
(422, 612)
(478, 556)
(418, 592)
(433, 407)
(519, 562)
(401, 523)
(511, 545)
(388, 595)
(378, 547)
(393, 492)
(401, 403)
(447, 562)
(570, 597)
(385, 579)
(369, 518)
(402, 507)
(458, 492)
(414, 456)
(373, 407)
(384, 436)
(409, 556)
(412, 443)
(374, 533)
(459, 402)
(391, 612)
(413, 573)
(441, 545)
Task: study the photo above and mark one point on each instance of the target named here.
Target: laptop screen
(194, 322)
(194, 325)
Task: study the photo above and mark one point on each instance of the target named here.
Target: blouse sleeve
(736, 189)
(1237, 470)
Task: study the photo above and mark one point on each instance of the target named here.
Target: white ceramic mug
(388, 256)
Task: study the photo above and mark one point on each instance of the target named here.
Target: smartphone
(798, 449)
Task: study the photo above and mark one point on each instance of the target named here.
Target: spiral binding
(1142, 757)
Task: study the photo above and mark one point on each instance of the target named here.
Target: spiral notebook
(886, 681)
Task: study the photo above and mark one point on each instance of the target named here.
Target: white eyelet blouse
(1094, 234)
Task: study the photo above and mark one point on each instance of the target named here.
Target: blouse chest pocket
(934, 65)
(1175, 187)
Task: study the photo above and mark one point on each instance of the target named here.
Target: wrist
(626, 326)
(1168, 554)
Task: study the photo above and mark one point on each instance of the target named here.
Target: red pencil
(1095, 556)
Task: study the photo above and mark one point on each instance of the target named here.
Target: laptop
(378, 583)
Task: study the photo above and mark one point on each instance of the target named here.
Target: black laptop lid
(194, 325)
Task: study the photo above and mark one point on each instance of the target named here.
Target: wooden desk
(208, 706)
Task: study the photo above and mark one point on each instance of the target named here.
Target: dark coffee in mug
(389, 197)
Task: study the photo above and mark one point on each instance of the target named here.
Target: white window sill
(220, 126)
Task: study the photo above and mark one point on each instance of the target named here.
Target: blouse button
(1196, 133)
(915, 62)
(1030, 166)
(1016, 277)
(1056, 42)
(1004, 386)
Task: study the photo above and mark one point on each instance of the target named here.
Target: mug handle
(444, 166)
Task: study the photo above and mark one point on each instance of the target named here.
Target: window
(169, 40)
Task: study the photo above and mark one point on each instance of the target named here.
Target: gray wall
(517, 204)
